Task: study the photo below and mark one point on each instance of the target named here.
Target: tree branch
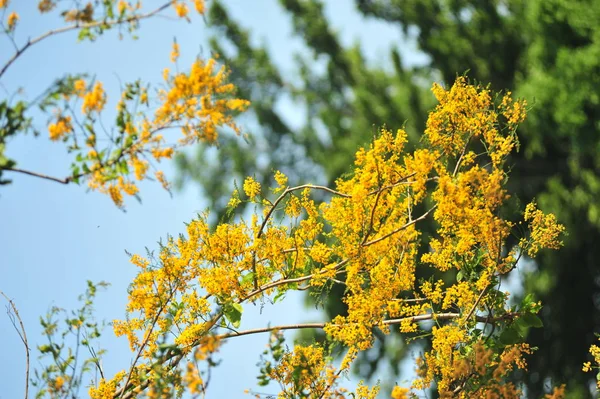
(42, 176)
(389, 322)
(404, 226)
(22, 335)
(76, 26)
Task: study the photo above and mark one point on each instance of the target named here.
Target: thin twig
(292, 189)
(404, 226)
(27, 172)
(389, 322)
(291, 281)
(76, 26)
(23, 336)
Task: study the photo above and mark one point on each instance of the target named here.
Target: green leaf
(510, 336)
(248, 278)
(532, 320)
(280, 295)
(233, 313)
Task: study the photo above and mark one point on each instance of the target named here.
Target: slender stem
(289, 281)
(23, 336)
(404, 226)
(76, 26)
(30, 173)
(389, 322)
(292, 189)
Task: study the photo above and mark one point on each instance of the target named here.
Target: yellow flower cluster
(366, 236)
(306, 372)
(197, 103)
(61, 128)
(12, 20)
(251, 187)
(545, 230)
(94, 100)
(587, 366)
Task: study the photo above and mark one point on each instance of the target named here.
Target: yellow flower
(3, 3)
(175, 52)
(587, 366)
(251, 187)
(121, 7)
(281, 180)
(199, 4)
(181, 9)
(399, 392)
(79, 87)
(13, 18)
(94, 100)
(160, 176)
(44, 5)
(234, 201)
(61, 128)
(144, 97)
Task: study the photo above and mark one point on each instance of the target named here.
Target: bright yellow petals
(4, 3)
(364, 235)
(400, 393)
(197, 100)
(175, 52)
(11, 21)
(251, 187)
(199, 5)
(159, 153)
(106, 389)
(545, 230)
(192, 379)
(61, 128)
(181, 9)
(281, 179)
(122, 6)
(94, 100)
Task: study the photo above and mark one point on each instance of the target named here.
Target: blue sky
(53, 238)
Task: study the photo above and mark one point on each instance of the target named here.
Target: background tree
(545, 51)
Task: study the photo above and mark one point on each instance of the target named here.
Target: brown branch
(290, 281)
(76, 26)
(483, 291)
(292, 189)
(372, 218)
(145, 342)
(22, 335)
(42, 176)
(389, 322)
(404, 226)
(399, 182)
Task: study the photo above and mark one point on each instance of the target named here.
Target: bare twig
(27, 172)
(22, 335)
(76, 26)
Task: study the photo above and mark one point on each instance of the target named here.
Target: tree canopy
(543, 51)
(414, 233)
